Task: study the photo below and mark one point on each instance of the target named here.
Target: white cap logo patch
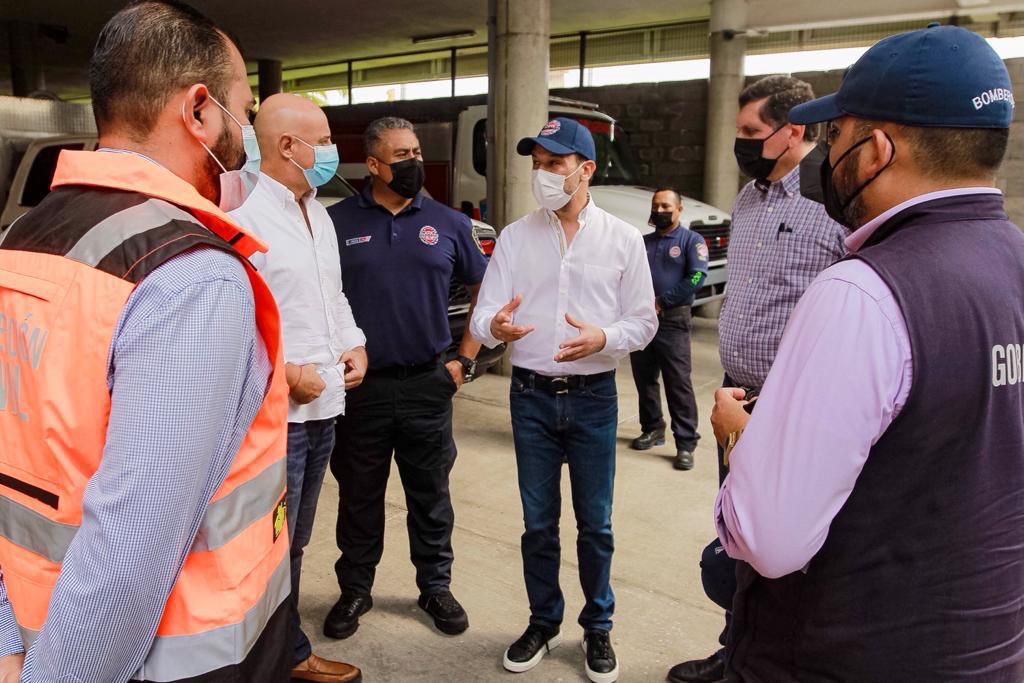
(428, 235)
(551, 128)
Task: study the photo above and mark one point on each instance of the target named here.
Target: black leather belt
(558, 385)
(403, 371)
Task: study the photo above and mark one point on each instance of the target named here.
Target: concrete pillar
(269, 75)
(26, 71)
(517, 105)
(721, 175)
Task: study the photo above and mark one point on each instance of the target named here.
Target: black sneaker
(601, 664)
(649, 439)
(683, 460)
(449, 617)
(526, 653)
(343, 619)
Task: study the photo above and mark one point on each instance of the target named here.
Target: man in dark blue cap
(874, 498)
(569, 288)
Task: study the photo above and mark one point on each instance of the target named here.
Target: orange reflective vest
(67, 269)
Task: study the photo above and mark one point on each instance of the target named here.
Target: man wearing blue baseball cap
(569, 288)
(874, 499)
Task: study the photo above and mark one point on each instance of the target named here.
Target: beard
(230, 153)
(846, 185)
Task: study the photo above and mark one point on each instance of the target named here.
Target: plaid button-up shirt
(780, 242)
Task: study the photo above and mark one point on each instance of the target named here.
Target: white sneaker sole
(522, 667)
(596, 677)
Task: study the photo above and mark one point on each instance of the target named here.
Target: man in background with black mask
(678, 258)
(780, 241)
(399, 250)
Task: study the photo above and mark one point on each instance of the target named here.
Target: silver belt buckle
(560, 385)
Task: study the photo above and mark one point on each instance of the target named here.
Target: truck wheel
(711, 310)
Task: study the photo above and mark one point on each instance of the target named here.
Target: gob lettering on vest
(21, 348)
(1007, 365)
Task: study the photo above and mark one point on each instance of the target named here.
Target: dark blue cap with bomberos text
(940, 76)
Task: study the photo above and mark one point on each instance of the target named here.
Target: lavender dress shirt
(841, 376)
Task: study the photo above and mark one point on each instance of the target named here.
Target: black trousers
(408, 414)
(668, 355)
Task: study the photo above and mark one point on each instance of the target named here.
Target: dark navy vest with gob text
(921, 577)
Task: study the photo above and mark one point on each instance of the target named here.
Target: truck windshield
(615, 162)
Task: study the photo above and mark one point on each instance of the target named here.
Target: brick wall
(667, 123)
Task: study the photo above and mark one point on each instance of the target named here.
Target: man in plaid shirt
(780, 242)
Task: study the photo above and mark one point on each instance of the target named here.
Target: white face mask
(549, 188)
(236, 186)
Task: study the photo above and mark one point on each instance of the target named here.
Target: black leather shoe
(449, 617)
(648, 440)
(601, 664)
(343, 619)
(683, 460)
(710, 670)
(526, 653)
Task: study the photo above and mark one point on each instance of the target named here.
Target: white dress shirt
(303, 271)
(601, 278)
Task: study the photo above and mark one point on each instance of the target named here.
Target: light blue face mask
(236, 186)
(325, 163)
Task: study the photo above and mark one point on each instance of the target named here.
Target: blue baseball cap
(940, 76)
(561, 136)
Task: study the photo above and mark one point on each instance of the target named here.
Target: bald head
(287, 127)
(286, 114)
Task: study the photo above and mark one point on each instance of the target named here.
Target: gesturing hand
(502, 328)
(590, 340)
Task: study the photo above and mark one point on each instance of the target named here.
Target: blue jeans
(577, 427)
(309, 451)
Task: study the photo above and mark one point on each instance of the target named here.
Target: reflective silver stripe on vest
(234, 513)
(28, 636)
(27, 528)
(224, 519)
(176, 657)
(115, 230)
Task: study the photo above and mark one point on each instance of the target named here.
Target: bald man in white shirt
(323, 347)
(569, 288)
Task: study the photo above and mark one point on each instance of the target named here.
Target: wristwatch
(468, 368)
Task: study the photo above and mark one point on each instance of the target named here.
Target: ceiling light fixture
(438, 37)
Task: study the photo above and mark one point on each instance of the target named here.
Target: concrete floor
(662, 520)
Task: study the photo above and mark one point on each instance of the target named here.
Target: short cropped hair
(950, 153)
(147, 52)
(679, 197)
(375, 131)
(781, 94)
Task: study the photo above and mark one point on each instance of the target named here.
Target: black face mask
(749, 156)
(662, 220)
(810, 174)
(836, 206)
(407, 177)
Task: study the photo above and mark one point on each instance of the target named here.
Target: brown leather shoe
(326, 671)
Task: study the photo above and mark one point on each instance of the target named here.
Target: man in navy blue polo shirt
(679, 264)
(399, 251)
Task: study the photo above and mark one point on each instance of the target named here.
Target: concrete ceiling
(308, 32)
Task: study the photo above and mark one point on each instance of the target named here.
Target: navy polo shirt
(679, 262)
(397, 271)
